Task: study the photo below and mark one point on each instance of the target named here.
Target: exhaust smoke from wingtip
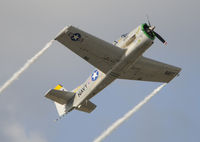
(117, 123)
(25, 67)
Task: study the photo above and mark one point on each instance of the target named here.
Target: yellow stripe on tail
(58, 87)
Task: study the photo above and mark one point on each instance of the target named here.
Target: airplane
(121, 60)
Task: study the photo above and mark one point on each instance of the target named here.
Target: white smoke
(25, 67)
(117, 123)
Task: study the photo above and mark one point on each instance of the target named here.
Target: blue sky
(27, 116)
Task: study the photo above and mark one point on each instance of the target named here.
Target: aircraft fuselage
(134, 45)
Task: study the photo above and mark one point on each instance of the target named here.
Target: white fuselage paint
(134, 44)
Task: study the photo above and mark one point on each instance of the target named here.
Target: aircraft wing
(97, 52)
(147, 69)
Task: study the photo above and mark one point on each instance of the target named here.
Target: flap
(99, 53)
(59, 96)
(150, 70)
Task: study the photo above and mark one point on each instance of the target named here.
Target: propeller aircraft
(121, 60)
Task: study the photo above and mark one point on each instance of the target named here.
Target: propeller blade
(148, 20)
(160, 38)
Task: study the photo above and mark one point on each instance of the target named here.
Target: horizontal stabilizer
(59, 96)
(87, 106)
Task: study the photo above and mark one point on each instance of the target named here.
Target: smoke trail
(26, 65)
(117, 123)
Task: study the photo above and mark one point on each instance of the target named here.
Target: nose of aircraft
(149, 31)
(152, 28)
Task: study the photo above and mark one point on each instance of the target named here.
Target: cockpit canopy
(122, 37)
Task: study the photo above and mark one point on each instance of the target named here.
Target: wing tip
(173, 74)
(64, 30)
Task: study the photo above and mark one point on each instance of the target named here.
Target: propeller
(151, 28)
(148, 20)
(160, 38)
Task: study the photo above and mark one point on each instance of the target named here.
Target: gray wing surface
(97, 52)
(147, 69)
(87, 106)
(59, 96)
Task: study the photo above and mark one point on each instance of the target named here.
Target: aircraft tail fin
(60, 109)
(64, 101)
(62, 98)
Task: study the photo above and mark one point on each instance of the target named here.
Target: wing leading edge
(97, 52)
(147, 69)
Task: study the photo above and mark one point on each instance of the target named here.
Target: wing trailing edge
(146, 69)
